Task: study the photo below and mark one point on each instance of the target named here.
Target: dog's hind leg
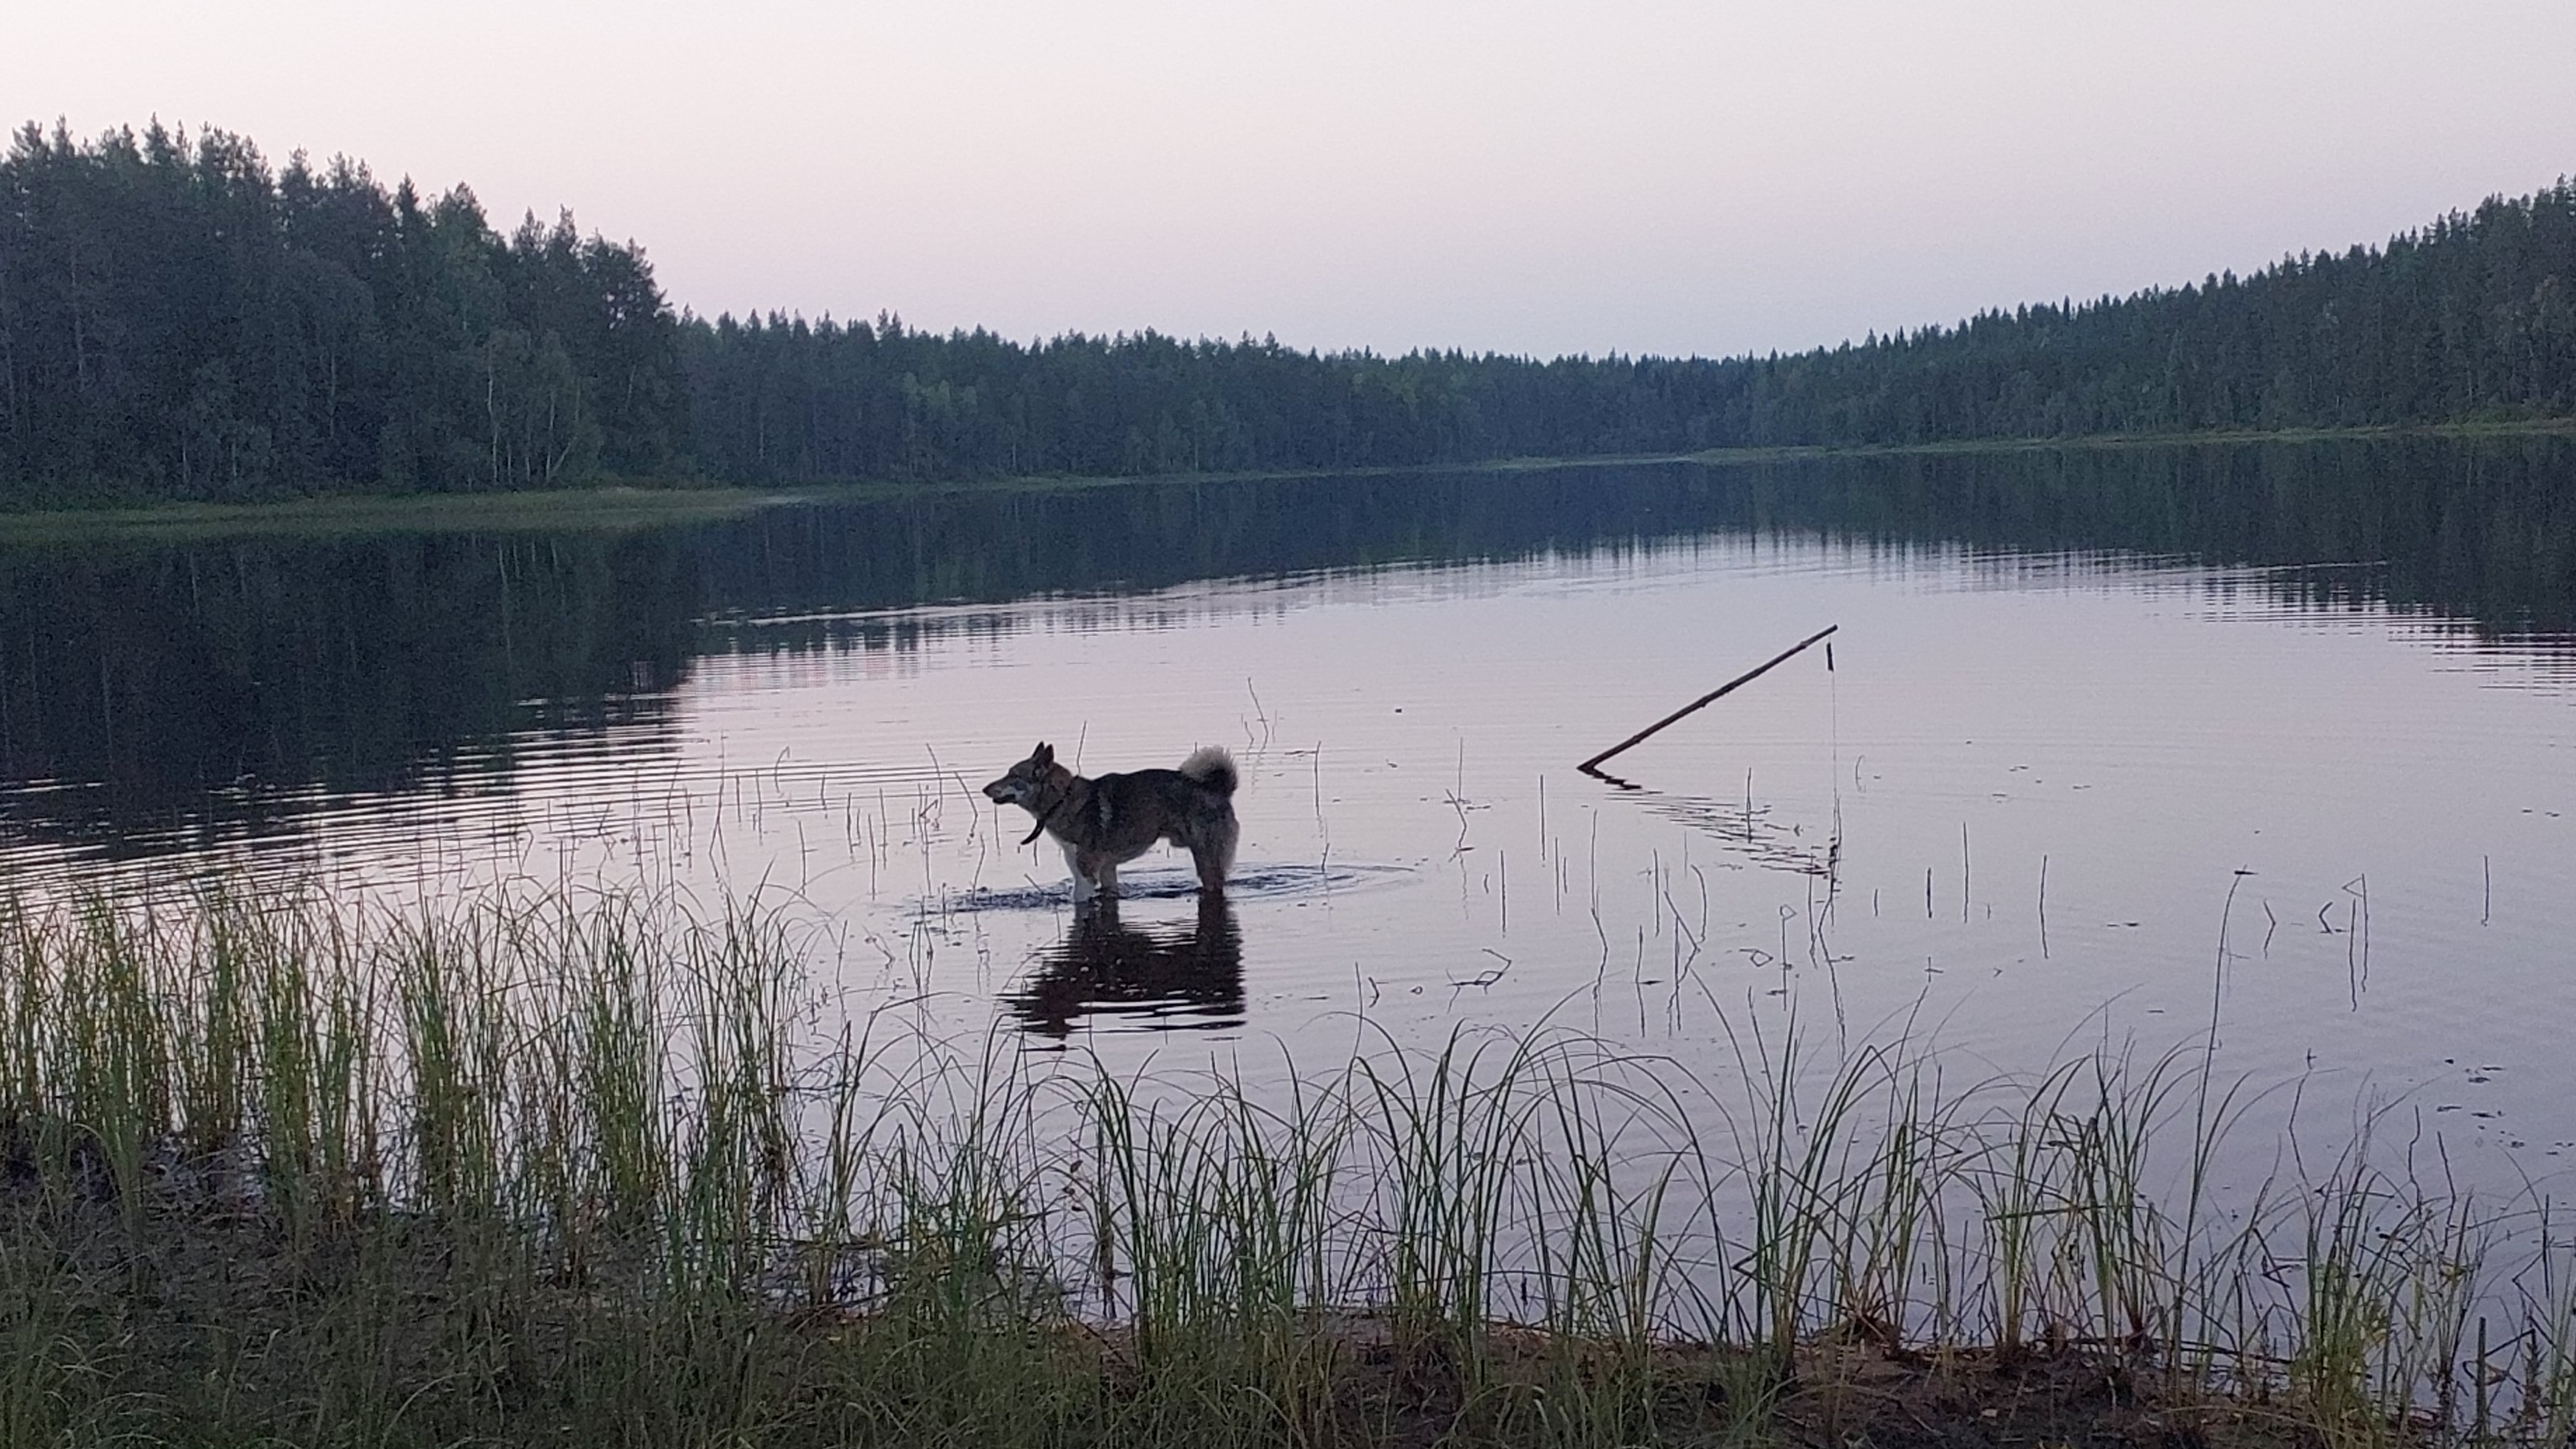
(1215, 857)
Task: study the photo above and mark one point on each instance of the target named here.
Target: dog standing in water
(1104, 822)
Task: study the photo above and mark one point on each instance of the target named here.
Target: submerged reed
(555, 1168)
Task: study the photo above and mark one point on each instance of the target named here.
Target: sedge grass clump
(554, 1167)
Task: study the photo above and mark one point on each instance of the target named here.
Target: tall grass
(545, 1167)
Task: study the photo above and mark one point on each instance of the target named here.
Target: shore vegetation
(292, 1166)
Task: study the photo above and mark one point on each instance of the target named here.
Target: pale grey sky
(1638, 177)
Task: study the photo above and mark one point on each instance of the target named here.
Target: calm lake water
(2105, 737)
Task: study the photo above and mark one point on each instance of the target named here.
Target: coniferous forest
(180, 318)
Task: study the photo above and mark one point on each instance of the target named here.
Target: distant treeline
(179, 319)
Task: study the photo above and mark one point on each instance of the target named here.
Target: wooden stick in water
(1707, 699)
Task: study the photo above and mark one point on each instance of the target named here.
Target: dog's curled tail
(1211, 767)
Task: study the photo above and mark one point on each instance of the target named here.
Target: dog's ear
(1043, 755)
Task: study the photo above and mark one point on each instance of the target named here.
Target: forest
(181, 319)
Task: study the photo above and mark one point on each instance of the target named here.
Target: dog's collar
(1048, 814)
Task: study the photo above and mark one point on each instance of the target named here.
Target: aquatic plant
(579, 1166)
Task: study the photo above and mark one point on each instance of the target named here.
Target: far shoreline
(626, 504)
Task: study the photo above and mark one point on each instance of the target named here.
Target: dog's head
(1030, 780)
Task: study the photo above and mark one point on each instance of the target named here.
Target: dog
(1103, 823)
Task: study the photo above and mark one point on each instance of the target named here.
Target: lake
(2106, 739)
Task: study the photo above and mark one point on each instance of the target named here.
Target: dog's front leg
(1083, 885)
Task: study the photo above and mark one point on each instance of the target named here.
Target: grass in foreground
(297, 1169)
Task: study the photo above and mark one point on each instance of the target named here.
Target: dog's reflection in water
(1158, 977)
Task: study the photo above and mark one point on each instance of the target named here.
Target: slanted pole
(1590, 766)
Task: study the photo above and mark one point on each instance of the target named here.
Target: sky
(1709, 179)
